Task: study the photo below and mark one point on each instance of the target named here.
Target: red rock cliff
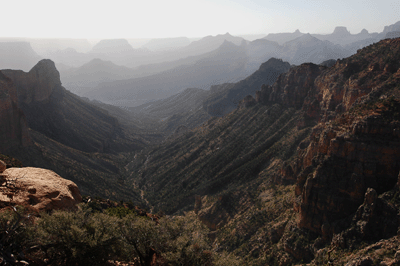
(354, 107)
(356, 144)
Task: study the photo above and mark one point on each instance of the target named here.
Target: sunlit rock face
(39, 188)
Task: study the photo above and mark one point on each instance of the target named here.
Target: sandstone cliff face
(39, 188)
(13, 131)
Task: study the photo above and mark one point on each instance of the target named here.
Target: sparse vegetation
(85, 237)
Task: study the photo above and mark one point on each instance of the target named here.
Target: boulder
(39, 188)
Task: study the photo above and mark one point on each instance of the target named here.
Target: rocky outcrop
(292, 88)
(375, 218)
(62, 116)
(38, 84)
(345, 166)
(355, 145)
(39, 188)
(341, 31)
(226, 100)
(13, 130)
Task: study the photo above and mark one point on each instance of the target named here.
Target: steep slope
(225, 152)
(331, 131)
(227, 98)
(175, 114)
(75, 139)
(190, 98)
(60, 115)
(359, 118)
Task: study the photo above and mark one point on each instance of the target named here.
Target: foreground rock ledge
(40, 188)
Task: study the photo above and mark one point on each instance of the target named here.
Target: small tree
(143, 237)
(78, 238)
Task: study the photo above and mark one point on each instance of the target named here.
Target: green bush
(78, 238)
(119, 212)
(176, 241)
(85, 237)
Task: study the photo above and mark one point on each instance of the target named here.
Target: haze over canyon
(228, 149)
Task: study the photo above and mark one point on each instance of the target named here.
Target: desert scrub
(16, 234)
(78, 238)
(85, 237)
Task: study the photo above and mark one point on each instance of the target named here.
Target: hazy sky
(191, 18)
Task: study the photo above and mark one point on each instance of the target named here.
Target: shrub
(78, 238)
(85, 237)
(15, 234)
(119, 212)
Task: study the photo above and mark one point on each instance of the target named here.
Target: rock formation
(58, 114)
(39, 188)
(355, 144)
(65, 131)
(341, 31)
(38, 84)
(14, 130)
(227, 98)
(350, 150)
